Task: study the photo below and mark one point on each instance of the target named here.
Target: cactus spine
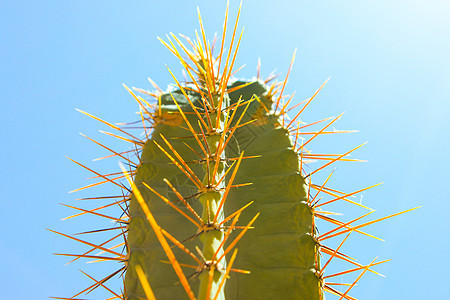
(192, 184)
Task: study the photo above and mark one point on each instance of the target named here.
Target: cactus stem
(218, 120)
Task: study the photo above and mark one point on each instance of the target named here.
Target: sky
(390, 71)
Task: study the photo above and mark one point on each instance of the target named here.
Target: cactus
(219, 204)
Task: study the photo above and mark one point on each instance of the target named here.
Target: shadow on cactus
(219, 205)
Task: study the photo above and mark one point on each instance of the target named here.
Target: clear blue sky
(390, 72)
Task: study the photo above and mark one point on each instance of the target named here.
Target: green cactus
(285, 214)
(221, 169)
